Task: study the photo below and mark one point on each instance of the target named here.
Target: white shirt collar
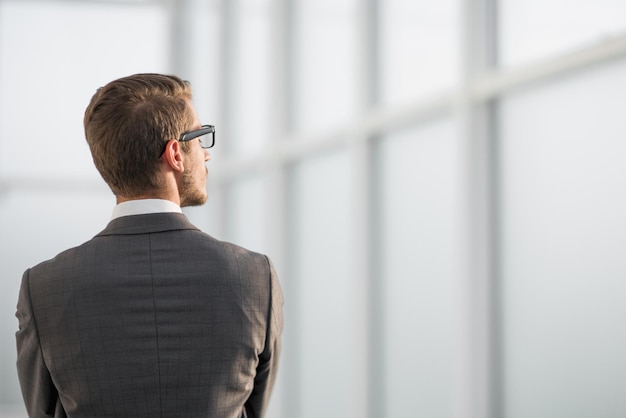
(144, 206)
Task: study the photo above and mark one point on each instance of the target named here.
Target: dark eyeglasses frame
(205, 143)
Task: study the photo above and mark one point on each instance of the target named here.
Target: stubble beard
(190, 194)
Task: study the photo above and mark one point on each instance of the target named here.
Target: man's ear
(173, 156)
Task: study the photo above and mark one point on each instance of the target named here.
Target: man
(151, 317)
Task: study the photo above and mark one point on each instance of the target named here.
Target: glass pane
(247, 214)
(535, 29)
(419, 48)
(418, 228)
(325, 302)
(251, 77)
(325, 90)
(35, 227)
(49, 70)
(204, 30)
(563, 235)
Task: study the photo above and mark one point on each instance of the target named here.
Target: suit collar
(147, 223)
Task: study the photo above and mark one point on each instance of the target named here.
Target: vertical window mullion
(286, 394)
(475, 320)
(363, 268)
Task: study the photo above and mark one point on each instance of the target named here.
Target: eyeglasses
(206, 134)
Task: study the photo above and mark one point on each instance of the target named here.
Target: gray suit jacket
(150, 318)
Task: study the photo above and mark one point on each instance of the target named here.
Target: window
(447, 231)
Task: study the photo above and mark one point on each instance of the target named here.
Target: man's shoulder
(235, 251)
(172, 231)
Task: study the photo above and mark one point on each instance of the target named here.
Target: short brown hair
(127, 124)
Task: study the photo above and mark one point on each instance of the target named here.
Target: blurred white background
(439, 183)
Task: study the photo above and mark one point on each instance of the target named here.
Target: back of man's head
(127, 124)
